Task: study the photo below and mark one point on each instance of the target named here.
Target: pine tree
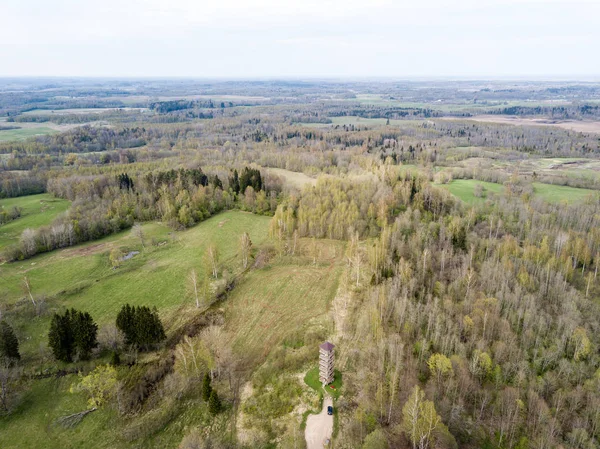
(214, 403)
(9, 344)
(206, 387)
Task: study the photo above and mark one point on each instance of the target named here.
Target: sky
(301, 38)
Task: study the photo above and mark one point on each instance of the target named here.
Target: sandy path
(319, 427)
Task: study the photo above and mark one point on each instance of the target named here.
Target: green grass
(312, 380)
(24, 133)
(557, 194)
(81, 276)
(464, 189)
(38, 210)
(33, 422)
(268, 305)
(279, 299)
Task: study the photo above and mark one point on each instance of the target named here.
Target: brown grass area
(572, 125)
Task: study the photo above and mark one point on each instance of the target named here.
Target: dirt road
(319, 427)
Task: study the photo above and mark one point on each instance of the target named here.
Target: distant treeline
(575, 112)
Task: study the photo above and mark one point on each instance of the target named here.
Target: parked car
(329, 410)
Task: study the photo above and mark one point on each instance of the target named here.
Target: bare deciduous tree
(213, 259)
(138, 232)
(245, 247)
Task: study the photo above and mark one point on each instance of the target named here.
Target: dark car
(329, 410)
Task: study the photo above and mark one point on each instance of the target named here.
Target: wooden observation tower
(326, 359)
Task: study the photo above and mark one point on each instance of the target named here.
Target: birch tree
(245, 248)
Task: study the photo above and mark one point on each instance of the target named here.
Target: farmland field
(77, 111)
(572, 125)
(38, 210)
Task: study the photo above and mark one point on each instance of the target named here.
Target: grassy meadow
(558, 194)
(464, 190)
(38, 210)
(24, 133)
(282, 298)
(271, 303)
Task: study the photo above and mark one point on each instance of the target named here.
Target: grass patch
(38, 210)
(295, 179)
(275, 301)
(557, 194)
(24, 133)
(312, 380)
(81, 276)
(464, 189)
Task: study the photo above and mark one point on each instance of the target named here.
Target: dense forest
(466, 307)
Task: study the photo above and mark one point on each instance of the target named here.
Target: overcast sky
(300, 38)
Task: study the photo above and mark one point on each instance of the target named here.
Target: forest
(173, 253)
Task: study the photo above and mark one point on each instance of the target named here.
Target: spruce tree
(126, 323)
(73, 333)
(141, 325)
(149, 329)
(214, 403)
(60, 337)
(84, 333)
(206, 387)
(9, 344)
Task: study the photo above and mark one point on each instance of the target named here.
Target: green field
(38, 210)
(556, 194)
(82, 277)
(276, 300)
(268, 304)
(24, 133)
(464, 189)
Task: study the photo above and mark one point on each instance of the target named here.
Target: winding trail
(319, 428)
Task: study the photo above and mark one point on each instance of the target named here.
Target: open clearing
(81, 276)
(38, 210)
(292, 178)
(464, 189)
(268, 304)
(23, 133)
(572, 125)
(74, 111)
(279, 299)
